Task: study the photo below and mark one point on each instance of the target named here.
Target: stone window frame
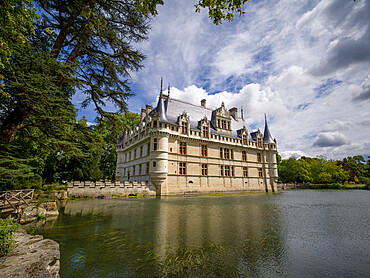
(244, 155)
(227, 170)
(182, 168)
(260, 173)
(184, 123)
(245, 172)
(182, 148)
(204, 150)
(184, 127)
(204, 169)
(155, 144)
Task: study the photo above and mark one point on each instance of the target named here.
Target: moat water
(301, 233)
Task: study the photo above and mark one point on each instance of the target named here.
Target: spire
(161, 85)
(168, 97)
(267, 138)
(161, 108)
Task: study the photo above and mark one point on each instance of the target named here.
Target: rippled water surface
(292, 234)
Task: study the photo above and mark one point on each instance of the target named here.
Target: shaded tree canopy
(88, 47)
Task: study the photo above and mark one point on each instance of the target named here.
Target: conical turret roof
(267, 138)
(161, 108)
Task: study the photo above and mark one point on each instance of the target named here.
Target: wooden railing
(13, 199)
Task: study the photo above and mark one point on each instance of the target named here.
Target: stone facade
(184, 148)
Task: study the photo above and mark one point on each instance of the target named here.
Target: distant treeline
(320, 170)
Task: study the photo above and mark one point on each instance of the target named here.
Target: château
(183, 148)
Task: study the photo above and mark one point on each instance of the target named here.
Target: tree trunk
(12, 123)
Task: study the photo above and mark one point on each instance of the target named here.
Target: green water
(293, 234)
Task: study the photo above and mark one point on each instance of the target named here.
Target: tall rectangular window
(260, 175)
(134, 154)
(218, 124)
(220, 152)
(259, 141)
(245, 171)
(182, 147)
(184, 127)
(221, 170)
(231, 154)
(244, 139)
(228, 126)
(227, 171)
(155, 124)
(147, 168)
(155, 144)
(148, 148)
(259, 157)
(232, 171)
(182, 168)
(141, 151)
(227, 153)
(134, 170)
(205, 131)
(204, 169)
(244, 155)
(204, 150)
(129, 156)
(139, 169)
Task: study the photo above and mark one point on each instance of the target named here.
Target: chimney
(143, 114)
(149, 109)
(203, 103)
(234, 113)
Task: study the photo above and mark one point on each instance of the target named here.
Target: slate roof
(267, 138)
(170, 109)
(174, 108)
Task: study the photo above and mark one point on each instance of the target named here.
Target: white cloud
(304, 63)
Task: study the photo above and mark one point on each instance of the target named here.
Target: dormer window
(259, 142)
(204, 127)
(184, 121)
(184, 127)
(221, 119)
(205, 131)
(245, 141)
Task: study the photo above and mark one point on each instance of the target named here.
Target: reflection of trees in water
(247, 232)
(224, 236)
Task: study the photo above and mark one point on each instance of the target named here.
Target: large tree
(90, 49)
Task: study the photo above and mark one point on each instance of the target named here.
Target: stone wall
(110, 189)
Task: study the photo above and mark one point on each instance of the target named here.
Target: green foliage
(218, 10)
(7, 229)
(17, 19)
(40, 217)
(326, 173)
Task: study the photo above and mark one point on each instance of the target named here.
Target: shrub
(7, 229)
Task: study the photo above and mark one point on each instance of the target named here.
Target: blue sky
(304, 63)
